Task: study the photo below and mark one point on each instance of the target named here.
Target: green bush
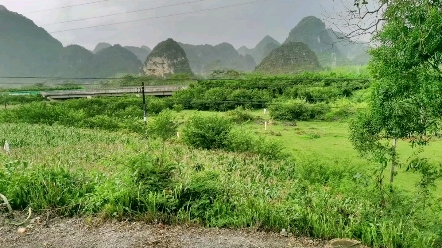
(313, 94)
(343, 109)
(291, 110)
(240, 115)
(156, 105)
(200, 193)
(150, 174)
(241, 140)
(178, 107)
(207, 132)
(163, 126)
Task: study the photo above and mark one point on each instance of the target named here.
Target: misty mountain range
(29, 50)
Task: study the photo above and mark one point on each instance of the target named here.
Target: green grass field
(329, 142)
(96, 157)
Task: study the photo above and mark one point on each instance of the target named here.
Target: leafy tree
(406, 100)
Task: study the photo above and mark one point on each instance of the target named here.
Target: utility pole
(144, 104)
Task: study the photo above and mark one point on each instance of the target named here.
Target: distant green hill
(203, 58)
(332, 48)
(140, 52)
(28, 50)
(167, 58)
(116, 59)
(76, 61)
(25, 48)
(100, 46)
(261, 50)
(289, 58)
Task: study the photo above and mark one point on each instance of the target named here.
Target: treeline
(289, 98)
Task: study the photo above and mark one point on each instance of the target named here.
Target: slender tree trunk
(393, 161)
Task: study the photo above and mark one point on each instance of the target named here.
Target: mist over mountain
(206, 58)
(116, 59)
(326, 43)
(243, 63)
(76, 61)
(25, 48)
(261, 50)
(100, 46)
(140, 52)
(29, 50)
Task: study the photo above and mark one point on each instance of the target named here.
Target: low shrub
(242, 140)
(206, 132)
(240, 115)
(297, 110)
(163, 126)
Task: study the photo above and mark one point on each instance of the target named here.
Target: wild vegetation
(97, 157)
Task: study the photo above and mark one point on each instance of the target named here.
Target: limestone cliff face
(165, 59)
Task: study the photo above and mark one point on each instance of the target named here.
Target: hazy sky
(239, 25)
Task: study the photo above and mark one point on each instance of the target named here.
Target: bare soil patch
(86, 232)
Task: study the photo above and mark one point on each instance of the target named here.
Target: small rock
(21, 230)
(284, 232)
(343, 243)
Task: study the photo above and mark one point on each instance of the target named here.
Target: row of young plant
(162, 180)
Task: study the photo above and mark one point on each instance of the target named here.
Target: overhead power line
(181, 79)
(65, 7)
(157, 17)
(127, 12)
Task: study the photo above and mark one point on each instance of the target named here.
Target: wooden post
(144, 104)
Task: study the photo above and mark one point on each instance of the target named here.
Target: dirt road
(73, 233)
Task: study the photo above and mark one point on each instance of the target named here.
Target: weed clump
(240, 115)
(298, 110)
(207, 132)
(217, 132)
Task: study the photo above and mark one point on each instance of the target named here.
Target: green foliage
(240, 115)
(206, 132)
(119, 175)
(255, 92)
(242, 140)
(344, 109)
(150, 174)
(124, 113)
(406, 98)
(430, 173)
(15, 100)
(291, 110)
(217, 132)
(164, 125)
(39, 187)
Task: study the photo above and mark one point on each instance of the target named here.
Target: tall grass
(81, 172)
